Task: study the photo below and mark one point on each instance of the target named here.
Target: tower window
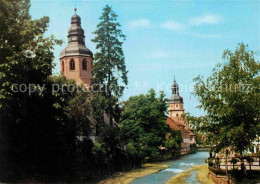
(62, 66)
(177, 106)
(84, 65)
(72, 64)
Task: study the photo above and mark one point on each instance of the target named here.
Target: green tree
(109, 71)
(38, 130)
(205, 129)
(143, 124)
(230, 96)
(173, 142)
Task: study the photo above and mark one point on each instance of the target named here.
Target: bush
(236, 174)
(210, 162)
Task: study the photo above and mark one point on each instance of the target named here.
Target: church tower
(176, 109)
(76, 60)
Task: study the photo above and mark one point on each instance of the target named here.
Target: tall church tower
(76, 60)
(176, 109)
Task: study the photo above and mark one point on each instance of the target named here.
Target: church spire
(175, 87)
(76, 39)
(175, 93)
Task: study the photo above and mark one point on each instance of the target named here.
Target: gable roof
(172, 124)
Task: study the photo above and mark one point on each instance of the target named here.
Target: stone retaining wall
(219, 179)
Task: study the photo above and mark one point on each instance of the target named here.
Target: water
(175, 166)
(192, 179)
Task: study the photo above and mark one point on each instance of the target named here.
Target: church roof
(76, 45)
(175, 125)
(172, 124)
(175, 98)
(75, 49)
(178, 122)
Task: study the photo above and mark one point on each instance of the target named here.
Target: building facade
(76, 60)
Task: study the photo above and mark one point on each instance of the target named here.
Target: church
(76, 62)
(176, 120)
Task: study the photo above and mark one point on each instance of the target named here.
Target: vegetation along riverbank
(129, 176)
(202, 175)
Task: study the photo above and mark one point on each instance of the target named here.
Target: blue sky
(164, 38)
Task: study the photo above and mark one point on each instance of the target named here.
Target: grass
(202, 175)
(127, 177)
(180, 178)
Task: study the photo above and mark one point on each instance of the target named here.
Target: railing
(254, 165)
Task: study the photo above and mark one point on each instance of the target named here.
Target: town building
(76, 60)
(176, 120)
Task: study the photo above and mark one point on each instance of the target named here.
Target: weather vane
(75, 9)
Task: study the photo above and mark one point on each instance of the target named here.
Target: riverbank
(202, 175)
(129, 176)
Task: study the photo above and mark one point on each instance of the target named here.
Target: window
(177, 115)
(177, 106)
(62, 66)
(84, 65)
(72, 64)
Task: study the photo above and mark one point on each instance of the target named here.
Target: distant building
(76, 60)
(176, 120)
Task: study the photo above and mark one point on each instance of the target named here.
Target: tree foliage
(205, 129)
(109, 71)
(38, 130)
(143, 124)
(230, 97)
(173, 142)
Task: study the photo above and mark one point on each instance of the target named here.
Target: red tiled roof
(192, 134)
(172, 124)
(177, 122)
(186, 131)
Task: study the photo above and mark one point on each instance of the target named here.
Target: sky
(164, 38)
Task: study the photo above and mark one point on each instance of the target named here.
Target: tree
(143, 124)
(230, 96)
(173, 142)
(205, 129)
(109, 71)
(38, 127)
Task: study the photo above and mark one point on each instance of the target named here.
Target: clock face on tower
(74, 38)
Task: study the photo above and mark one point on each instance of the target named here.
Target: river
(175, 166)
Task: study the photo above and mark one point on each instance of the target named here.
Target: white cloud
(140, 23)
(174, 26)
(159, 55)
(206, 19)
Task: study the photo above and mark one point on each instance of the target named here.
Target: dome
(75, 19)
(76, 40)
(175, 98)
(73, 49)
